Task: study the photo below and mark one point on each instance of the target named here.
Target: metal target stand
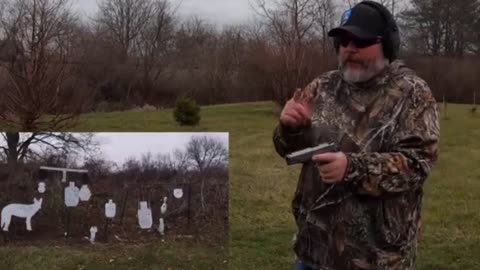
(67, 208)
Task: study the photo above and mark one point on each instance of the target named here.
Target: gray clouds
(118, 147)
(213, 11)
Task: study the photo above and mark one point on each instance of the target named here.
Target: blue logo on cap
(346, 16)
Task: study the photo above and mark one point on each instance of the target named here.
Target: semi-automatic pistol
(306, 154)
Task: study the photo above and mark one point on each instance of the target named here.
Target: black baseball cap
(363, 21)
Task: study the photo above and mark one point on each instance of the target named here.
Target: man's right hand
(298, 110)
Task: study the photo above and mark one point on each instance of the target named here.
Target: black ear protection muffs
(391, 35)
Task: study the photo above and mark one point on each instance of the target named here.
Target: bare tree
(441, 27)
(18, 147)
(196, 57)
(205, 153)
(177, 161)
(124, 20)
(140, 32)
(291, 24)
(351, 3)
(98, 167)
(476, 38)
(156, 36)
(35, 75)
(121, 22)
(154, 44)
(325, 20)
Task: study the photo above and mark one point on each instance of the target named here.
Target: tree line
(133, 53)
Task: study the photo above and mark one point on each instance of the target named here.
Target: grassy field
(171, 255)
(261, 188)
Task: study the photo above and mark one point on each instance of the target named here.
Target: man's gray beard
(363, 74)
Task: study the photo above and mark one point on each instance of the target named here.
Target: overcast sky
(214, 11)
(118, 147)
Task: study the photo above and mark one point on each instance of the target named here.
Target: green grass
(261, 189)
(166, 255)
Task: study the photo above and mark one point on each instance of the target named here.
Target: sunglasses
(359, 43)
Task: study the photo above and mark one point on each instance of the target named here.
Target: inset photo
(114, 198)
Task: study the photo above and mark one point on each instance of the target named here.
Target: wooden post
(124, 205)
(67, 226)
(474, 109)
(106, 229)
(67, 217)
(444, 107)
(189, 210)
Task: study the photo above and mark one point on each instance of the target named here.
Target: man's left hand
(332, 166)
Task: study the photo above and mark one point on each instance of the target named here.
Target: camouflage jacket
(389, 129)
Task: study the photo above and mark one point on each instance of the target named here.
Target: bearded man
(360, 207)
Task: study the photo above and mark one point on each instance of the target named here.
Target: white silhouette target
(110, 209)
(84, 193)
(72, 195)
(41, 187)
(163, 208)
(178, 193)
(93, 232)
(144, 216)
(26, 211)
(161, 227)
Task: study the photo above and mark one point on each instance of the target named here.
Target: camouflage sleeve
(286, 139)
(413, 150)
